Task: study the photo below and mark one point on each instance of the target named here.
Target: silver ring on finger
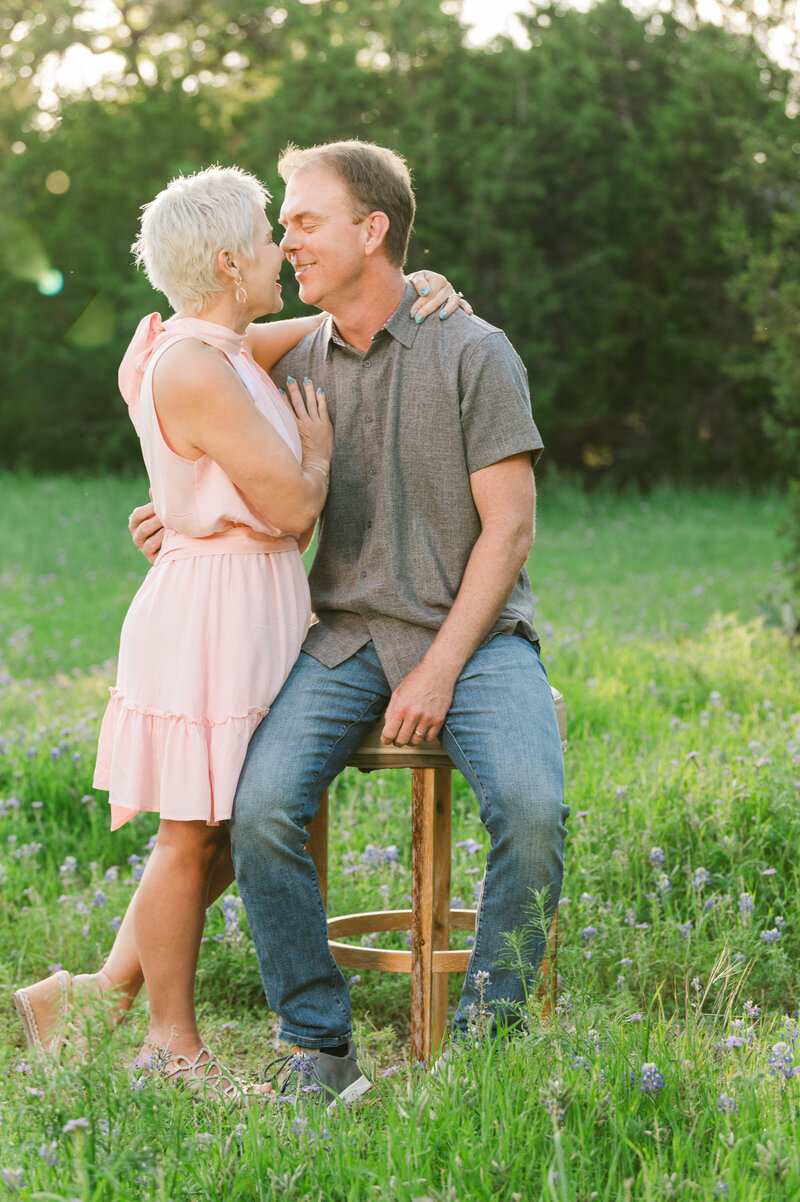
(420, 734)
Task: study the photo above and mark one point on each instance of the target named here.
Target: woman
(238, 477)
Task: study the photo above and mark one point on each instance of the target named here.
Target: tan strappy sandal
(205, 1079)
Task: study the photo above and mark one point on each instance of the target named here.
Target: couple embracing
(233, 710)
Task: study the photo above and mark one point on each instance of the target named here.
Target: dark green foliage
(596, 195)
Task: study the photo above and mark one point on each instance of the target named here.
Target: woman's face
(260, 274)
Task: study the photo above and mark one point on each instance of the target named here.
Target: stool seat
(430, 919)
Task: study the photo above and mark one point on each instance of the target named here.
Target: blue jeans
(501, 733)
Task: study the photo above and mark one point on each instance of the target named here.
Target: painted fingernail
(413, 312)
(306, 380)
(418, 318)
(290, 379)
(280, 390)
(424, 292)
(442, 314)
(319, 391)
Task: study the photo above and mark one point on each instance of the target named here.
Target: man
(423, 605)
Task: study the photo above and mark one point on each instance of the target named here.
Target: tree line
(621, 196)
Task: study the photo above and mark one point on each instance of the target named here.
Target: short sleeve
(495, 404)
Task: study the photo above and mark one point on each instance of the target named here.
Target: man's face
(322, 242)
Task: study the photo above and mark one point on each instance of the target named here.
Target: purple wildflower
(651, 1081)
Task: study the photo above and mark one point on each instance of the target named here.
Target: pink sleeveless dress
(219, 620)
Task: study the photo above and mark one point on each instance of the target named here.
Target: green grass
(683, 774)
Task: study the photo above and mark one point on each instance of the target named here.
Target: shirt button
(367, 363)
(369, 524)
(373, 471)
(363, 575)
(369, 418)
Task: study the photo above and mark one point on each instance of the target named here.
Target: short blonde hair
(186, 226)
(376, 178)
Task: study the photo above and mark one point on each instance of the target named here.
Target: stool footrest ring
(348, 955)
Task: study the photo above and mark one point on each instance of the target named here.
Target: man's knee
(528, 808)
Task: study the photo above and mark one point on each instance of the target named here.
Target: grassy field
(671, 1069)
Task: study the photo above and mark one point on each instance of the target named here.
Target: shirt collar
(400, 325)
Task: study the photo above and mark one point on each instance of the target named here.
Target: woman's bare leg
(122, 970)
(121, 974)
(168, 919)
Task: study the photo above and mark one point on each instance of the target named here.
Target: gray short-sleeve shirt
(424, 407)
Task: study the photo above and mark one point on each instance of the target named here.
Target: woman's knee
(197, 840)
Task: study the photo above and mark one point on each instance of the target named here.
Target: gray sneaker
(312, 1075)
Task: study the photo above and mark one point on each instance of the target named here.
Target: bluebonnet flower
(746, 904)
(657, 857)
(588, 932)
(727, 1104)
(663, 884)
(99, 898)
(49, 1155)
(735, 1041)
(13, 1179)
(69, 866)
(686, 927)
(471, 846)
(390, 1071)
(721, 1189)
(630, 918)
(751, 1010)
(231, 907)
(771, 936)
(701, 878)
(115, 923)
(780, 1062)
(353, 981)
(780, 923)
(651, 1081)
(111, 874)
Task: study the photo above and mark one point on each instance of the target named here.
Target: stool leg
(441, 900)
(423, 813)
(317, 845)
(548, 972)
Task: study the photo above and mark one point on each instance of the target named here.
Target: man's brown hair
(376, 178)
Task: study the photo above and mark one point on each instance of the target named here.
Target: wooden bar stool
(430, 918)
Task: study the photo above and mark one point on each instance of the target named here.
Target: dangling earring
(240, 296)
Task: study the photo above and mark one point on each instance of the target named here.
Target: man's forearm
(489, 578)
